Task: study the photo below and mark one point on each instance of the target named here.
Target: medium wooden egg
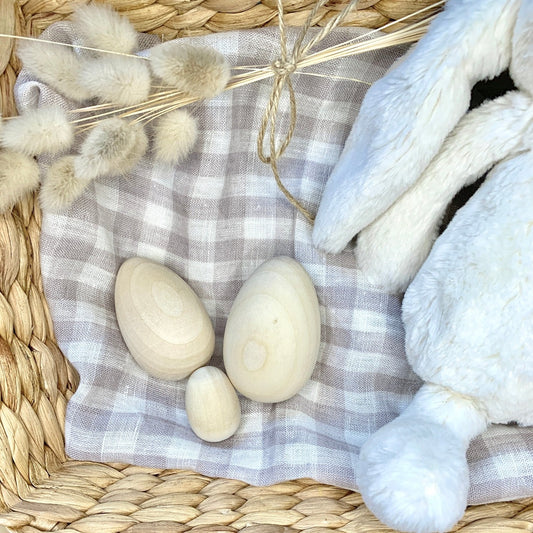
(272, 335)
(212, 405)
(163, 323)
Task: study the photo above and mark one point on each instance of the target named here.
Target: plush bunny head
(469, 294)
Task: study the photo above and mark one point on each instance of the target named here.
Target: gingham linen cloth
(214, 219)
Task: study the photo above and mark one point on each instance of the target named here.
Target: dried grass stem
(70, 45)
(172, 99)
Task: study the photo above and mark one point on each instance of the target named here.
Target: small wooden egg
(163, 323)
(272, 335)
(212, 405)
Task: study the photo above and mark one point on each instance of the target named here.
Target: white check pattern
(213, 220)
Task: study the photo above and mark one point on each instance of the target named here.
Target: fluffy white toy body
(468, 306)
(413, 472)
(468, 313)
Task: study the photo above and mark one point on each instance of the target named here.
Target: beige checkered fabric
(213, 220)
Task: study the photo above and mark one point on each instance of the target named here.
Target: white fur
(401, 125)
(391, 249)
(468, 333)
(19, 175)
(413, 472)
(521, 68)
(174, 136)
(57, 66)
(467, 312)
(406, 482)
(196, 70)
(38, 131)
(61, 187)
(116, 79)
(100, 26)
(112, 147)
(463, 415)
(468, 321)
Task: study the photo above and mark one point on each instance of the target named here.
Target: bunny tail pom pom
(196, 70)
(57, 66)
(116, 79)
(102, 27)
(174, 136)
(19, 175)
(112, 147)
(37, 131)
(61, 186)
(413, 475)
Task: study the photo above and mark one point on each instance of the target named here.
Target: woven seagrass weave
(40, 488)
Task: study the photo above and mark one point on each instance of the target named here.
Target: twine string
(282, 69)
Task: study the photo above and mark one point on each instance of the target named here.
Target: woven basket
(40, 488)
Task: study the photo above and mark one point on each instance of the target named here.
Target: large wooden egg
(163, 323)
(272, 336)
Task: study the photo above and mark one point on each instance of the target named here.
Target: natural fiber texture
(283, 67)
(39, 489)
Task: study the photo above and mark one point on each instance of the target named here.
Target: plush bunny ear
(406, 115)
(393, 247)
(521, 68)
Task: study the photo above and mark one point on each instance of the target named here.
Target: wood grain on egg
(212, 405)
(162, 321)
(272, 335)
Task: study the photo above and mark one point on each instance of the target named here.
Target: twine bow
(282, 69)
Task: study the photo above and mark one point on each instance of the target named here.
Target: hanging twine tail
(282, 68)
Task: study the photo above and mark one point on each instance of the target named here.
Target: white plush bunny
(468, 307)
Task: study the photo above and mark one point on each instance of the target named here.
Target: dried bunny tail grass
(116, 79)
(166, 63)
(57, 66)
(114, 146)
(102, 27)
(196, 70)
(174, 136)
(61, 186)
(19, 175)
(38, 131)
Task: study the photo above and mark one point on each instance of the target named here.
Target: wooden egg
(272, 335)
(212, 405)
(164, 324)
